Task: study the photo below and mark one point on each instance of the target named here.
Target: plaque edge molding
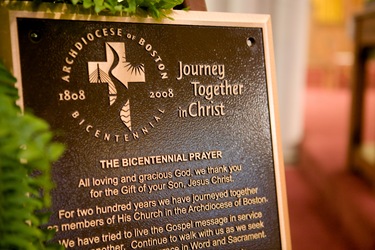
(9, 15)
(280, 179)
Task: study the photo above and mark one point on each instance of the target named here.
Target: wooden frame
(364, 41)
(184, 19)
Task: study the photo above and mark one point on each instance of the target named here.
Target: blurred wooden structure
(361, 148)
(194, 5)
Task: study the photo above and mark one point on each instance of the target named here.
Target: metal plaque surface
(169, 126)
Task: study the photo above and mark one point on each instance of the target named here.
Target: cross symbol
(123, 71)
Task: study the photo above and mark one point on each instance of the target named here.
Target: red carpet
(311, 227)
(329, 207)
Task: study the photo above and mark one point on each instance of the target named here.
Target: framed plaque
(170, 126)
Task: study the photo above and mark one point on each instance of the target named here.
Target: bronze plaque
(169, 126)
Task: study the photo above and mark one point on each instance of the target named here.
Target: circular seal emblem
(116, 66)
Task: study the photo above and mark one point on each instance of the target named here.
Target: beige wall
(331, 42)
(290, 32)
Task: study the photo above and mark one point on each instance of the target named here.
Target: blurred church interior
(325, 67)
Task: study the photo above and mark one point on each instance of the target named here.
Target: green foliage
(154, 8)
(26, 153)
